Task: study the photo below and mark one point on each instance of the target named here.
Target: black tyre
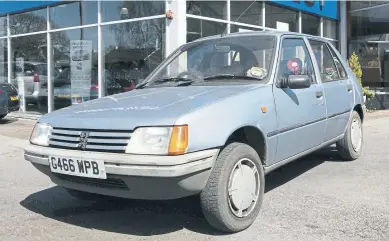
(233, 195)
(2, 116)
(350, 146)
(86, 196)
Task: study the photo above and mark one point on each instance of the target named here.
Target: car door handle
(349, 87)
(319, 94)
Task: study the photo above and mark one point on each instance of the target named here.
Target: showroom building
(368, 37)
(60, 53)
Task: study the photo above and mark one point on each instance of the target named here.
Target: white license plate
(78, 167)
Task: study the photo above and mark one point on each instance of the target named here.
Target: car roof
(262, 33)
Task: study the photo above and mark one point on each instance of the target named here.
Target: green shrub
(355, 66)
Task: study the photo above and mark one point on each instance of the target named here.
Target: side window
(295, 60)
(339, 66)
(325, 61)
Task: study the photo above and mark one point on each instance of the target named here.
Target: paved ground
(314, 198)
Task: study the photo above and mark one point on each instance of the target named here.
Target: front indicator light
(178, 140)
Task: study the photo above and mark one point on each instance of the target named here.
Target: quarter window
(339, 66)
(328, 63)
(295, 60)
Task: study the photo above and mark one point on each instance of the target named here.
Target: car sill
(273, 167)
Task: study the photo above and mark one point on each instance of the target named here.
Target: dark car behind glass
(9, 100)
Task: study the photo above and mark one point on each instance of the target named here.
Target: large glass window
(3, 26)
(29, 63)
(370, 41)
(380, 2)
(3, 61)
(239, 28)
(198, 28)
(74, 68)
(253, 15)
(73, 14)
(359, 4)
(212, 9)
(330, 28)
(281, 18)
(120, 10)
(29, 22)
(130, 52)
(310, 24)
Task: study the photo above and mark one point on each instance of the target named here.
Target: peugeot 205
(211, 120)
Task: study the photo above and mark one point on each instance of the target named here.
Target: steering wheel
(192, 75)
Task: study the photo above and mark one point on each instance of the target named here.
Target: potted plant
(355, 66)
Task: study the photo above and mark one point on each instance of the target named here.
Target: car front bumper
(133, 176)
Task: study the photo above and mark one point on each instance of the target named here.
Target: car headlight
(159, 140)
(40, 134)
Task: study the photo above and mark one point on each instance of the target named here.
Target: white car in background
(34, 76)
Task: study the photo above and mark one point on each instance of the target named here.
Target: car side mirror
(296, 82)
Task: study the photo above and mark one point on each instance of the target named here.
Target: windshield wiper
(173, 79)
(140, 86)
(230, 76)
(179, 81)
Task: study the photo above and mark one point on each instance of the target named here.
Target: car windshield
(233, 59)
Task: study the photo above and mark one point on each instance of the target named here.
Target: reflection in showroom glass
(29, 71)
(121, 10)
(3, 61)
(281, 18)
(82, 12)
(74, 68)
(212, 9)
(130, 52)
(28, 22)
(198, 28)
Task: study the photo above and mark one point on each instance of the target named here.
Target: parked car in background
(34, 77)
(211, 125)
(9, 100)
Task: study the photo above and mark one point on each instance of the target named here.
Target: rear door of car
(338, 89)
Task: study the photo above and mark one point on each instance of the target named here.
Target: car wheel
(2, 116)
(234, 192)
(350, 146)
(86, 196)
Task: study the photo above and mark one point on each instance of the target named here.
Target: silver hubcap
(243, 188)
(356, 134)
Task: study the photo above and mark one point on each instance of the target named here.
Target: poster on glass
(81, 70)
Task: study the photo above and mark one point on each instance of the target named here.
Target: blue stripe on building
(325, 8)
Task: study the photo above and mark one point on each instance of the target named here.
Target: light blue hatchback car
(215, 117)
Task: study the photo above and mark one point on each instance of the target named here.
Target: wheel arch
(359, 110)
(251, 136)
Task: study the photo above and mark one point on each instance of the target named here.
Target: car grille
(104, 183)
(97, 140)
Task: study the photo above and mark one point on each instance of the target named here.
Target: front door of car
(338, 89)
(300, 112)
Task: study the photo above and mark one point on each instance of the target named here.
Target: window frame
(280, 49)
(329, 47)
